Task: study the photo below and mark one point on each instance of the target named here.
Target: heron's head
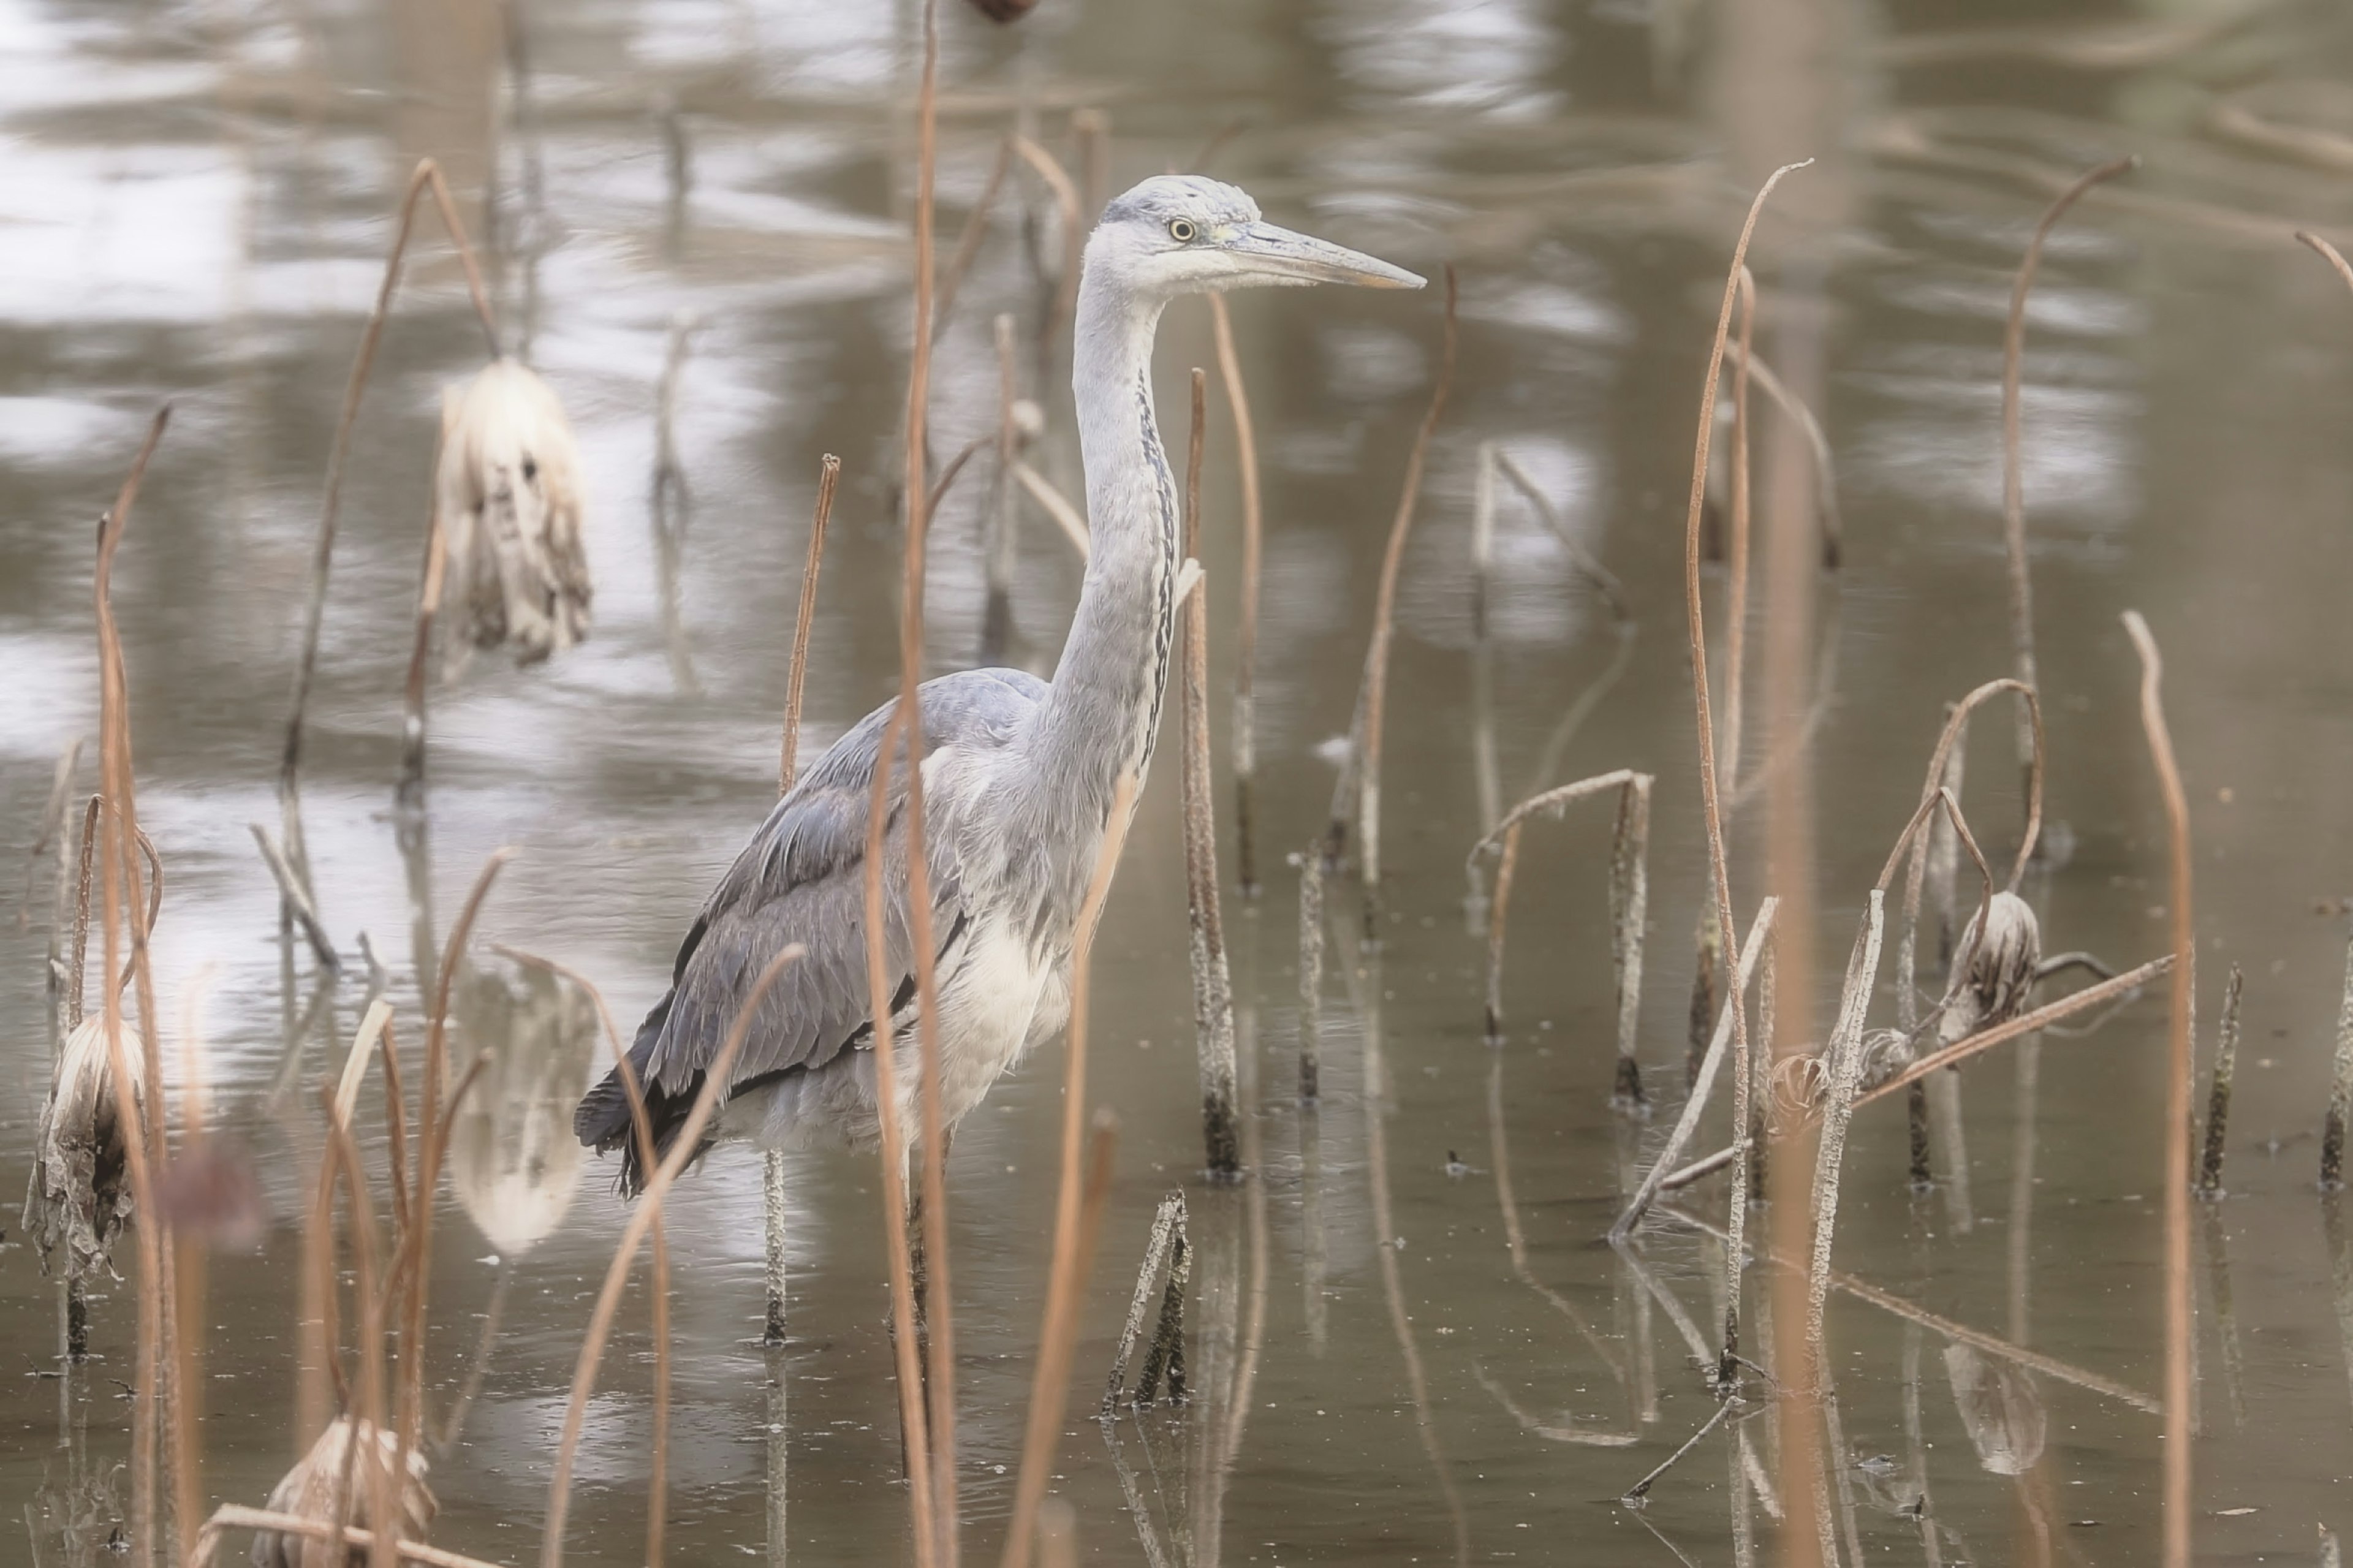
(1181, 234)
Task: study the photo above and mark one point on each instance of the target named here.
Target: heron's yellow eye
(1182, 230)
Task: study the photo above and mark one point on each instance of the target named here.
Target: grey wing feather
(802, 879)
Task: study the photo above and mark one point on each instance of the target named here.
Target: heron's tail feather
(605, 1122)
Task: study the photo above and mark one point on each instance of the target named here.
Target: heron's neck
(1104, 709)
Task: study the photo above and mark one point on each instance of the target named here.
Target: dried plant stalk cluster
(507, 500)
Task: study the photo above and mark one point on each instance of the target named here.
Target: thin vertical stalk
(1213, 997)
(2218, 1104)
(797, 673)
(427, 176)
(1630, 907)
(1372, 698)
(2177, 1324)
(2340, 1092)
(2013, 483)
(1071, 1246)
(408, 794)
(1736, 596)
(1310, 972)
(939, 1314)
(1709, 782)
(774, 1202)
(122, 913)
(1244, 738)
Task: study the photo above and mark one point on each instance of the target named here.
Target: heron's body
(1019, 775)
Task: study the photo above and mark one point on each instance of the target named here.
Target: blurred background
(714, 198)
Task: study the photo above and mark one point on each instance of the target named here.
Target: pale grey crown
(1165, 198)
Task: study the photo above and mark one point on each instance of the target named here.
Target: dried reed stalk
(1845, 1073)
(2178, 1326)
(1372, 699)
(408, 794)
(1310, 972)
(413, 1264)
(427, 174)
(1244, 738)
(1709, 786)
(772, 1162)
(1167, 1233)
(683, 1148)
(2340, 1091)
(2218, 1104)
(1629, 913)
(939, 1319)
(1504, 840)
(1166, 1356)
(2013, 493)
(1213, 993)
(1794, 409)
(120, 902)
(290, 888)
(1735, 593)
(1687, 1124)
(2328, 253)
(1072, 1241)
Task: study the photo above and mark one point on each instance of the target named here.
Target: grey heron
(1019, 773)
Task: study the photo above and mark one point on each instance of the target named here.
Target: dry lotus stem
(78, 1197)
(508, 503)
(308, 1491)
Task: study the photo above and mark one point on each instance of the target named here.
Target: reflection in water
(1999, 1408)
(514, 1162)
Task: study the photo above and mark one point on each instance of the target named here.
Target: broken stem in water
(1310, 972)
(1687, 1124)
(1626, 885)
(1167, 1231)
(2218, 1104)
(2340, 1092)
(1213, 997)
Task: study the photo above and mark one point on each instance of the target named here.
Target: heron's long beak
(1281, 256)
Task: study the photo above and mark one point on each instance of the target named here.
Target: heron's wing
(803, 879)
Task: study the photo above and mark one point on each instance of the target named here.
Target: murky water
(195, 210)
